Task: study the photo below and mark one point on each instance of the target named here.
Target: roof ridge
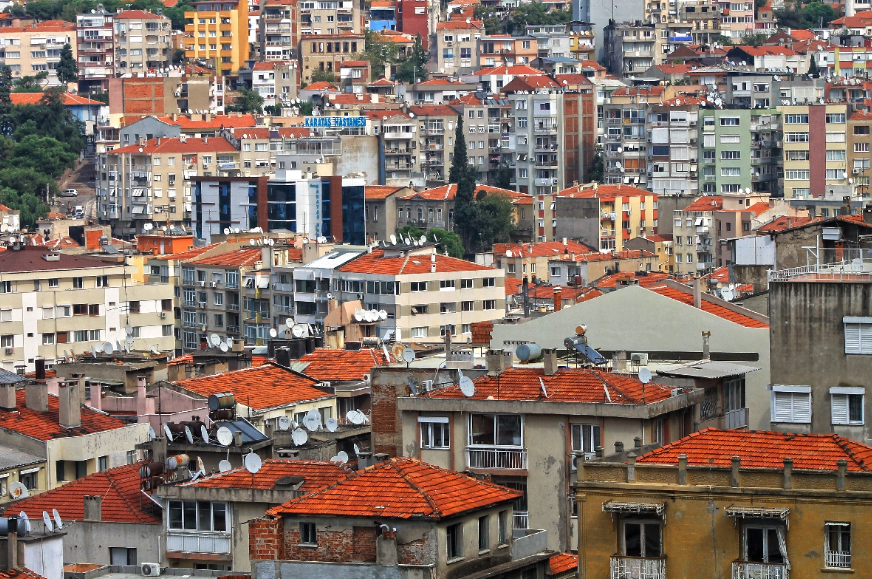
(843, 444)
(425, 496)
(315, 494)
(121, 496)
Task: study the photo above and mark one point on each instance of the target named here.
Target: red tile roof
(706, 203)
(45, 26)
(376, 263)
(712, 308)
(177, 145)
(316, 475)
(514, 286)
(578, 293)
(433, 111)
(402, 488)
(119, 487)
(541, 249)
(593, 256)
(259, 388)
(354, 63)
(562, 563)
(766, 50)
(460, 25)
(23, 573)
(576, 385)
(721, 275)
(649, 279)
(758, 208)
(604, 191)
(510, 70)
(45, 426)
(529, 83)
(639, 91)
(244, 257)
(448, 192)
(218, 121)
(32, 98)
(764, 449)
(380, 191)
(264, 132)
(341, 365)
(783, 222)
(320, 85)
(191, 253)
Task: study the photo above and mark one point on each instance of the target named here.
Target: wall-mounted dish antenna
(128, 330)
(224, 436)
(204, 433)
(46, 520)
(108, 348)
(98, 348)
(393, 239)
(59, 524)
(299, 436)
(341, 457)
(312, 420)
(467, 387)
(24, 527)
(355, 417)
(644, 375)
(298, 332)
(252, 463)
(332, 424)
(289, 322)
(273, 332)
(284, 423)
(189, 435)
(224, 466)
(168, 432)
(215, 340)
(408, 355)
(151, 433)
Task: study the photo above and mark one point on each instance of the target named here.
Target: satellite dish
(467, 387)
(98, 348)
(644, 375)
(236, 230)
(224, 466)
(252, 242)
(355, 417)
(22, 516)
(289, 322)
(215, 339)
(299, 437)
(108, 348)
(59, 524)
(382, 314)
(273, 332)
(341, 457)
(224, 436)
(312, 420)
(408, 355)
(298, 332)
(46, 520)
(151, 433)
(200, 467)
(224, 347)
(128, 330)
(332, 424)
(168, 432)
(252, 463)
(204, 433)
(127, 341)
(422, 240)
(356, 450)
(284, 423)
(189, 435)
(359, 315)
(393, 239)
(226, 231)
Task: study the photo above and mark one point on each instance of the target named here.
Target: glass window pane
(205, 516)
(652, 540)
(509, 430)
(754, 544)
(190, 515)
(175, 515)
(219, 517)
(425, 435)
(855, 407)
(774, 551)
(633, 539)
(482, 431)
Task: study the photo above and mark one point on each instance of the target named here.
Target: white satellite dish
(359, 315)
(236, 230)
(298, 332)
(355, 417)
(644, 375)
(408, 355)
(226, 231)
(341, 457)
(128, 330)
(382, 315)
(224, 466)
(59, 524)
(393, 239)
(422, 240)
(312, 420)
(108, 348)
(201, 468)
(332, 424)
(284, 423)
(98, 348)
(151, 433)
(273, 332)
(252, 463)
(189, 435)
(127, 341)
(22, 516)
(46, 520)
(168, 432)
(252, 242)
(224, 436)
(299, 437)
(215, 339)
(224, 347)
(467, 387)
(289, 322)
(204, 433)
(356, 450)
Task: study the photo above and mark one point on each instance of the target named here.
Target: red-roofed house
(761, 57)
(59, 31)
(493, 79)
(753, 488)
(453, 524)
(143, 41)
(521, 417)
(531, 259)
(381, 209)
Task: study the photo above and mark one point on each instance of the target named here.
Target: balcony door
(765, 543)
(642, 538)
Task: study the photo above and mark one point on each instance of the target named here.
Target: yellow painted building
(218, 31)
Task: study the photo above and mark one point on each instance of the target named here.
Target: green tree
(446, 241)
(492, 24)
(27, 181)
(535, 13)
(306, 108)
(16, 10)
(323, 76)
(247, 101)
(31, 207)
(67, 69)
(380, 53)
(503, 178)
(44, 154)
(176, 14)
(413, 68)
(755, 39)
(494, 218)
(31, 83)
(818, 14)
(462, 175)
(724, 40)
(595, 171)
(273, 110)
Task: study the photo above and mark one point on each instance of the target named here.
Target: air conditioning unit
(213, 284)
(856, 171)
(202, 284)
(639, 359)
(10, 350)
(150, 569)
(163, 315)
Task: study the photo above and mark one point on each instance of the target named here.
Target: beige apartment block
(142, 42)
(29, 50)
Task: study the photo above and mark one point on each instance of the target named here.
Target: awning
(742, 512)
(262, 282)
(634, 508)
(708, 370)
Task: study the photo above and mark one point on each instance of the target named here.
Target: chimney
(697, 293)
(96, 391)
(69, 404)
(558, 303)
(208, 117)
(93, 508)
(549, 357)
(498, 361)
(846, 206)
(7, 396)
(526, 298)
(158, 140)
(83, 389)
(283, 356)
(140, 396)
(380, 457)
(12, 543)
(706, 353)
(36, 396)
(364, 459)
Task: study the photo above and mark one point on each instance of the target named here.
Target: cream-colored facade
(74, 303)
(142, 42)
(18, 466)
(114, 445)
(29, 50)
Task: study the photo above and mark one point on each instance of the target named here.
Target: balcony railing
(520, 520)
(232, 329)
(838, 559)
(190, 542)
(637, 567)
(746, 570)
(736, 419)
(497, 458)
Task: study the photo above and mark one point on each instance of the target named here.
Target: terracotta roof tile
(460, 25)
(402, 488)
(377, 264)
(542, 249)
(264, 132)
(138, 15)
(510, 70)
(120, 488)
(216, 122)
(259, 388)
(316, 475)
(721, 275)
(514, 286)
(244, 257)
(706, 203)
(190, 254)
(649, 279)
(562, 563)
(23, 573)
(45, 425)
(712, 308)
(177, 145)
(433, 111)
(578, 293)
(32, 98)
(764, 449)
(783, 222)
(380, 191)
(604, 191)
(341, 365)
(321, 85)
(577, 385)
(758, 208)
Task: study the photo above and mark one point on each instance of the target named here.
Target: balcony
(399, 135)
(638, 567)
(233, 307)
(737, 419)
(838, 560)
(520, 520)
(232, 329)
(497, 458)
(746, 570)
(192, 542)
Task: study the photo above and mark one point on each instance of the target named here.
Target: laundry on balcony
(624, 508)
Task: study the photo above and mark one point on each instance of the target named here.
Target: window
(731, 172)
(764, 544)
(454, 541)
(94, 335)
(489, 304)
(858, 335)
(80, 336)
(94, 309)
(5, 287)
(102, 281)
(641, 539)
(797, 155)
(838, 545)
(198, 516)
(796, 174)
(133, 307)
(795, 119)
(658, 431)
(483, 533)
(731, 139)
(728, 155)
(729, 121)
(122, 556)
(555, 272)
(467, 306)
(795, 137)
(503, 527)
(7, 341)
(308, 535)
(53, 282)
(488, 282)
(419, 332)
(446, 284)
(791, 404)
(734, 394)
(101, 463)
(846, 405)
(466, 283)
(78, 283)
(496, 430)
(585, 437)
(836, 118)
(48, 339)
(434, 432)
(80, 309)
(836, 174)
(419, 286)
(835, 155)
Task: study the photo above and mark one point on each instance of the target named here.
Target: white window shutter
(801, 408)
(839, 406)
(781, 407)
(865, 338)
(852, 338)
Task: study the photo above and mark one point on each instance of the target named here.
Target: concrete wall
(89, 542)
(113, 444)
(359, 155)
(666, 205)
(578, 219)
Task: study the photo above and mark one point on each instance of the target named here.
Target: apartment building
(382, 216)
(29, 50)
(814, 139)
(53, 303)
(279, 30)
(485, 118)
(505, 50)
(605, 217)
(530, 260)
(741, 151)
(131, 98)
(217, 33)
(331, 18)
(436, 127)
(325, 52)
(414, 19)
(457, 47)
(399, 135)
(704, 18)
(737, 18)
(145, 185)
(276, 81)
(625, 136)
(142, 42)
(259, 148)
(631, 48)
(672, 152)
(859, 139)
(95, 38)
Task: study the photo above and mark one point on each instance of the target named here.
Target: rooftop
(340, 365)
(377, 263)
(712, 307)
(603, 191)
(45, 426)
(540, 249)
(706, 203)
(647, 279)
(401, 488)
(29, 258)
(380, 191)
(243, 257)
(764, 449)
(178, 145)
(315, 475)
(562, 563)
(11, 457)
